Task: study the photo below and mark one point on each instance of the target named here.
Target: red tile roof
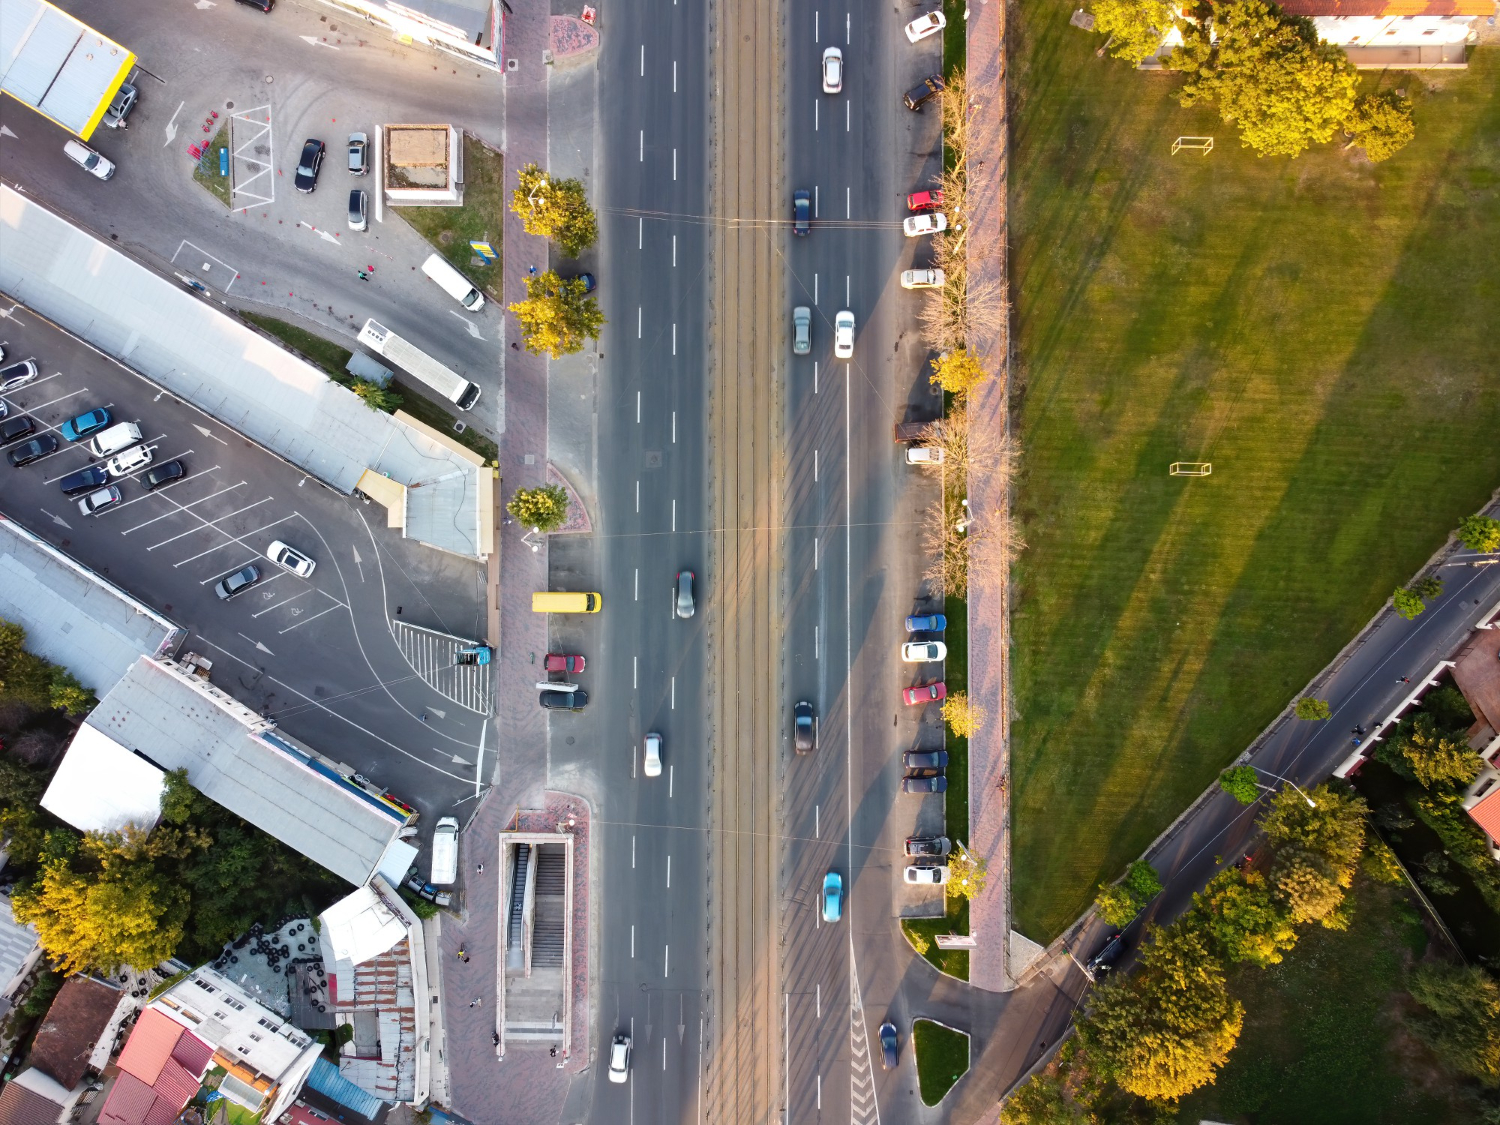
(20, 1106)
(1388, 7)
(155, 1081)
(73, 1025)
(150, 1045)
(1487, 814)
(176, 1084)
(192, 1053)
(130, 1101)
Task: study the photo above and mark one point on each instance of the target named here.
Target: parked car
(123, 464)
(1105, 960)
(924, 693)
(590, 282)
(651, 762)
(923, 279)
(97, 501)
(290, 559)
(89, 160)
(923, 26)
(924, 455)
(833, 70)
(833, 897)
(925, 760)
(84, 480)
(926, 623)
(685, 593)
(563, 662)
(159, 475)
(14, 429)
(928, 845)
(924, 200)
(928, 222)
(926, 876)
(843, 334)
(920, 95)
(308, 165)
(359, 154)
(236, 583)
(263, 5)
(121, 105)
(890, 1049)
(85, 424)
(564, 700)
(921, 652)
(358, 202)
(619, 1058)
(33, 450)
(801, 212)
(804, 728)
(801, 330)
(936, 784)
(17, 375)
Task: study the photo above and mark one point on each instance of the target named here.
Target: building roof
(17, 943)
(1388, 7)
(22, 1106)
(61, 68)
(100, 786)
(1476, 671)
(1486, 814)
(363, 925)
(153, 1084)
(469, 17)
(66, 1039)
(73, 617)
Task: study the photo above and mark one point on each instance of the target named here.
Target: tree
(1313, 709)
(1479, 533)
(375, 396)
(1040, 1100)
(1307, 888)
(1381, 124)
(557, 315)
(1430, 755)
(24, 676)
(1462, 1018)
(1429, 587)
(126, 915)
(1267, 72)
(1408, 602)
(1241, 783)
(555, 209)
(1243, 918)
(1119, 903)
(1166, 1030)
(964, 717)
(544, 508)
(957, 372)
(1332, 827)
(67, 695)
(1135, 27)
(966, 874)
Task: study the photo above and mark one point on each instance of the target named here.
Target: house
(67, 1045)
(471, 29)
(31, 1098)
(1476, 673)
(20, 949)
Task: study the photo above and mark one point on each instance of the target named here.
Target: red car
(924, 201)
(924, 693)
(562, 662)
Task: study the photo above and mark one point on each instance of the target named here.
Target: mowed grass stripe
(1320, 329)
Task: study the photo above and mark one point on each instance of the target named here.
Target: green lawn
(206, 171)
(956, 677)
(1320, 329)
(450, 229)
(954, 962)
(942, 1058)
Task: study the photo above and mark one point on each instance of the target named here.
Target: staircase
(551, 889)
(514, 954)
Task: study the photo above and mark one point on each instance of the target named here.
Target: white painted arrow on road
(57, 519)
(5, 132)
(259, 646)
(457, 761)
(204, 5)
(469, 324)
(172, 124)
(323, 234)
(206, 432)
(314, 41)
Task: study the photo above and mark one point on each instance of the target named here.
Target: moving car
(619, 1058)
(119, 109)
(241, 580)
(33, 450)
(84, 480)
(123, 464)
(311, 161)
(685, 593)
(1103, 961)
(926, 876)
(843, 334)
(804, 728)
(924, 455)
(562, 662)
(890, 1050)
(923, 26)
(938, 784)
(833, 70)
(928, 845)
(159, 475)
(358, 201)
(84, 424)
(17, 375)
(920, 95)
(920, 652)
(14, 429)
(801, 330)
(922, 279)
(924, 693)
(925, 759)
(359, 154)
(928, 222)
(833, 897)
(926, 623)
(290, 559)
(651, 764)
(564, 700)
(924, 200)
(106, 497)
(89, 160)
(801, 212)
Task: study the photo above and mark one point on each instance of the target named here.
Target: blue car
(926, 623)
(75, 428)
(833, 897)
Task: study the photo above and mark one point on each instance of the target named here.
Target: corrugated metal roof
(150, 1045)
(57, 65)
(16, 942)
(130, 1101)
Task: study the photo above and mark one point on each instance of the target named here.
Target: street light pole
(1310, 802)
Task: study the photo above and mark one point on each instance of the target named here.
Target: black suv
(563, 700)
(13, 429)
(801, 212)
(163, 474)
(33, 450)
(918, 96)
(307, 168)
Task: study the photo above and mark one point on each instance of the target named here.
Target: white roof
(16, 943)
(102, 786)
(362, 925)
(58, 66)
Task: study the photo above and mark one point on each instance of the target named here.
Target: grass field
(450, 229)
(206, 171)
(954, 962)
(942, 1058)
(1320, 329)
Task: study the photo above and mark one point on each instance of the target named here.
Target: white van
(122, 435)
(453, 283)
(89, 160)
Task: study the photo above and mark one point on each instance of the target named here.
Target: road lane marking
(634, 662)
(666, 960)
(637, 583)
(847, 300)
(815, 464)
(632, 930)
(815, 201)
(819, 1000)
(848, 211)
(664, 1052)
(815, 294)
(815, 376)
(674, 339)
(815, 552)
(637, 408)
(816, 635)
(846, 28)
(674, 693)
(259, 647)
(674, 250)
(632, 853)
(674, 427)
(643, 60)
(171, 129)
(638, 497)
(669, 873)
(815, 116)
(330, 609)
(638, 321)
(847, 108)
(640, 233)
(56, 519)
(674, 514)
(817, 822)
(674, 163)
(674, 81)
(671, 780)
(643, 146)
(284, 601)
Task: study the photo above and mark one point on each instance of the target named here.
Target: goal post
(1190, 469)
(1205, 145)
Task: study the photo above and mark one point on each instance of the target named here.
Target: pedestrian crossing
(434, 657)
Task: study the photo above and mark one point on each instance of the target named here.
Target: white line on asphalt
(206, 523)
(848, 209)
(848, 107)
(314, 617)
(815, 201)
(287, 601)
(171, 128)
(815, 295)
(666, 960)
(637, 497)
(259, 647)
(231, 539)
(786, 1048)
(640, 233)
(669, 872)
(634, 674)
(815, 116)
(674, 163)
(632, 778)
(674, 514)
(846, 28)
(674, 427)
(643, 146)
(847, 300)
(674, 251)
(637, 583)
(674, 339)
(184, 507)
(815, 376)
(674, 693)
(819, 1000)
(817, 30)
(820, 1091)
(664, 1052)
(817, 821)
(632, 931)
(637, 408)
(815, 552)
(671, 780)
(638, 321)
(674, 76)
(815, 464)
(817, 634)
(643, 60)
(632, 851)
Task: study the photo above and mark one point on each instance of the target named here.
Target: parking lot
(316, 652)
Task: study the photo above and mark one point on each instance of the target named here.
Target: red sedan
(924, 693)
(563, 662)
(924, 201)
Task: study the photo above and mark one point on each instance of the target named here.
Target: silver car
(685, 606)
(801, 330)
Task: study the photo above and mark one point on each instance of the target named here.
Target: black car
(14, 429)
(801, 212)
(307, 168)
(232, 584)
(1103, 961)
(804, 727)
(890, 1048)
(263, 5)
(928, 845)
(563, 700)
(925, 759)
(918, 96)
(84, 480)
(163, 474)
(937, 784)
(34, 449)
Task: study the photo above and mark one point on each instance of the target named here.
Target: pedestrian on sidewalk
(472, 1003)
(478, 1000)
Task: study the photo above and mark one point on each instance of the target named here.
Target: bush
(1241, 783)
(1479, 533)
(544, 508)
(1315, 709)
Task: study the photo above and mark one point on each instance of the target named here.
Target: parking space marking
(230, 539)
(203, 268)
(51, 402)
(314, 617)
(249, 139)
(284, 601)
(183, 507)
(209, 523)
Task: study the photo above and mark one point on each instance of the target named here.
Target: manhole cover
(228, 105)
(270, 79)
(445, 237)
(571, 740)
(653, 459)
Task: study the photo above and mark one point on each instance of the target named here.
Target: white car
(923, 26)
(924, 455)
(123, 464)
(843, 334)
(833, 70)
(87, 159)
(927, 876)
(923, 652)
(930, 223)
(105, 497)
(652, 762)
(290, 559)
(922, 279)
(619, 1058)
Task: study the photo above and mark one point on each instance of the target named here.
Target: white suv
(619, 1058)
(123, 464)
(843, 334)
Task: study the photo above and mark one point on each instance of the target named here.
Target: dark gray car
(804, 727)
(119, 109)
(563, 700)
(232, 584)
(925, 759)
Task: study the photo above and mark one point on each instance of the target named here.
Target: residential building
(31, 1098)
(20, 949)
(66, 1047)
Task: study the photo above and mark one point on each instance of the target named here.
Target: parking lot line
(314, 617)
(209, 523)
(233, 539)
(52, 402)
(183, 507)
(285, 601)
(235, 570)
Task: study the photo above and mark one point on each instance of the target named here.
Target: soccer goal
(1205, 145)
(1191, 469)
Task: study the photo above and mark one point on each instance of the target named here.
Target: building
(1476, 672)
(63, 69)
(20, 949)
(66, 1047)
(31, 1098)
(471, 29)
(205, 1026)
(421, 165)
